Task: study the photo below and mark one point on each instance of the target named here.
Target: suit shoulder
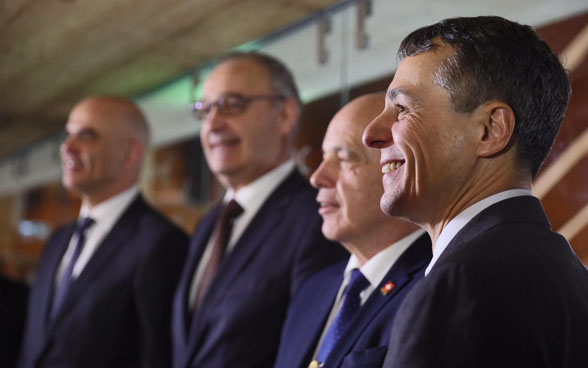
(155, 236)
(513, 245)
(334, 270)
(295, 184)
(155, 220)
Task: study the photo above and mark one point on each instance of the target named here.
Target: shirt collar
(376, 268)
(109, 210)
(461, 220)
(254, 194)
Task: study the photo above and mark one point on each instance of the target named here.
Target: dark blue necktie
(349, 307)
(65, 282)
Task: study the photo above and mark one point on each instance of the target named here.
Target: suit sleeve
(155, 284)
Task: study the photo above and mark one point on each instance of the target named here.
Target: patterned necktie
(349, 307)
(222, 234)
(65, 283)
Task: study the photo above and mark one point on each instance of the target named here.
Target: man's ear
(289, 115)
(497, 125)
(134, 152)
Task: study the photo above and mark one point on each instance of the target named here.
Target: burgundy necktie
(221, 234)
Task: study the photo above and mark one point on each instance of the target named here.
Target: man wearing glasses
(250, 254)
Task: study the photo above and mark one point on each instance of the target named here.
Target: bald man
(104, 283)
(343, 315)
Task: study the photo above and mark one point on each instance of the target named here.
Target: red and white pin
(388, 287)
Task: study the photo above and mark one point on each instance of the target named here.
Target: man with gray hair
(252, 252)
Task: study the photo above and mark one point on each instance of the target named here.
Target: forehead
(98, 117)
(346, 128)
(242, 75)
(342, 133)
(416, 74)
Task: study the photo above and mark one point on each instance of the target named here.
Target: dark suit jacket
(506, 292)
(13, 306)
(365, 342)
(240, 319)
(117, 313)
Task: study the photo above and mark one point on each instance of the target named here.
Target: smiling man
(104, 284)
(470, 115)
(342, 316)
(252, 252)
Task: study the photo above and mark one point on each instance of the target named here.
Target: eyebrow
(84, 130)
(337, 149)
(393, 93)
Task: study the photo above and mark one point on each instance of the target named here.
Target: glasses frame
(201, 109)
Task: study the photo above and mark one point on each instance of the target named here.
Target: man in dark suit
(471, 114)
(389, 254)
(103, 290)
(250, 254)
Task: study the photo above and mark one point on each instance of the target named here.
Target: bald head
(349, 180)
(119, 110)
(105, 144)
(359, 113)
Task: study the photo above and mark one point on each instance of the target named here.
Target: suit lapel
(320, 298)
(246, 247)
(264, 222)
(410, 265)
(232, 265)
(180, 308)
(114, 241)
(46, 284)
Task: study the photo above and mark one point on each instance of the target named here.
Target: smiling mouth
(224, 143)
(391, 166)
(71, 164)
(326, 207)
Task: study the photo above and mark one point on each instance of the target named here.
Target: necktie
(65, 283)
(222, 234)
(349, 307)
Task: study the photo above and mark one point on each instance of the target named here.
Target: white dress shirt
(251, 197)
(461, 220)
(374, 270)
(105, 215)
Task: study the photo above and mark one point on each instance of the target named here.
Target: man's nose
(378, 133)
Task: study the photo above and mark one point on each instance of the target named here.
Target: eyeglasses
(230, 104)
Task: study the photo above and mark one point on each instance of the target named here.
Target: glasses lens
(231, 105)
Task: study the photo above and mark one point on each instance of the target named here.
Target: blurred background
(53, 53)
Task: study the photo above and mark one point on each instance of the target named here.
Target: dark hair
(280, 76)
(495, 58)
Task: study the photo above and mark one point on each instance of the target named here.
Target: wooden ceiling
(55, 52)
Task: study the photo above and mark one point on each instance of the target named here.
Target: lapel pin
(314, 364)
(388, 287)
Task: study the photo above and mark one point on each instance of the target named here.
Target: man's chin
(68, 184)
(72, 186)
(389, 204)
(224, 167)
(329, 232)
